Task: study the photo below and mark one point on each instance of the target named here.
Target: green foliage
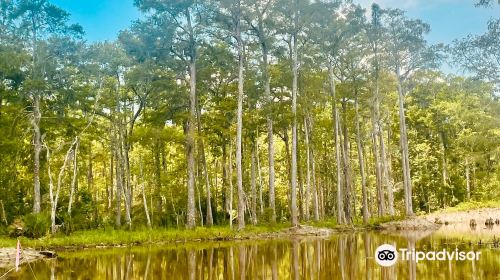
(266, 217)
(36, 225)
(471, 205)
(377, 221)
(82, 214)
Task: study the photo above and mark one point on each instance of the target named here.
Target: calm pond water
(342, 256)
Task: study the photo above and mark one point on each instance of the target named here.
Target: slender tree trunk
(125, 191)
(4, 216)
(404, 149)
(54, 194)
(388, 162)
(158, 184)
(111, 177)
(314, 187)
(261, 184)
(308, 175)
(75, 174)
(126, 171)
(210, 220)
(90, 171)
(293, 210)
(336, 119)
(253, 176)
(190, 141)
(37, 115)
(467, 177)
(376, 154)
(144, 199)
(444, 164)
(225, 185)
(385, 172)
(361, 161)
(118, 181)
(230, 176)
(199, 199)
(286, 141)
(269, 116)
(347, 166)
(239, 171)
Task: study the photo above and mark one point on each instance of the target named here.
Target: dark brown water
(343, 256)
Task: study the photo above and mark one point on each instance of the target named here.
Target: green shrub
(36, 225)
(267, 216)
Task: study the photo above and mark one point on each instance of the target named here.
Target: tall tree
(259, 18)
(39, 20)
(408, 52)
(186, 17)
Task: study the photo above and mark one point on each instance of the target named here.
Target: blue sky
(101, 19)
(449, 19)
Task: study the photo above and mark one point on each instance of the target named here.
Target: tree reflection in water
(343, 256)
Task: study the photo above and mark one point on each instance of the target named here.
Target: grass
(471, 205)
(373, 222)
(144, 236)
(112, 237)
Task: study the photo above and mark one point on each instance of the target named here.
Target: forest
(237, 112)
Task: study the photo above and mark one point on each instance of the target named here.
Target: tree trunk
(37, 115)
(127, 185)
(124, 171)
(190, 141)
(376, 155)
(75, 174)
(444, 164)
(385, 173)
(269, 116)
(314, 189)
(253, 176)
(118, 181)
(467, 177)
(54, 197)
(404, 149)
(90, 170)
(144, 199)
(225, 185)
(261, 184)
(361, 162)
(111, 177)
(199, 200)
(308, 170)
(347, 166)
(158, 184)
(230, 176)
(388, 162)
(336, 120)
(239, 171)
(210, 220)
(293, 210)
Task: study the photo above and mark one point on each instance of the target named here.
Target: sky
(449, 19)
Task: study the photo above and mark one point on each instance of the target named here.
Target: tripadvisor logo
(387, 255)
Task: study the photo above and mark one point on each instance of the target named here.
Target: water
(342, 256)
